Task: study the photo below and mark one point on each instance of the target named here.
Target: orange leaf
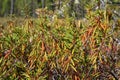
(103, 26)
(77, 78)
(43, 47)
(89, 31)
(84, 38)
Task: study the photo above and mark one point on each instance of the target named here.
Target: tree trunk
(12, 7)
(33, 8)
(59, 4)
(43, 3)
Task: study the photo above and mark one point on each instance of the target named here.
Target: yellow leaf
(23, 48)
(72, 62)
(94, 61)
(73, 68)
(45, 56)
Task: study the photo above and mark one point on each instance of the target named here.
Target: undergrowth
(41, 49)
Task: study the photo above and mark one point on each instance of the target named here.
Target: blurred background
(71, 8)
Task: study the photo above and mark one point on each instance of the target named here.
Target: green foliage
(4, 6)
(42, 50)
